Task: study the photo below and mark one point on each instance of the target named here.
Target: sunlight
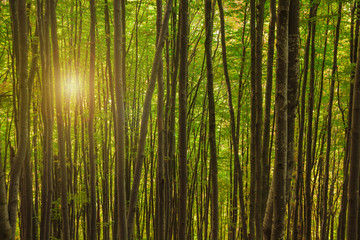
(71, 86)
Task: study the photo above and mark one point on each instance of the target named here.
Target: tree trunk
(212, 122)
(353, 197)
(281, 109)
(160, 181)
(120, 197)
(92, 159)
(259, 163)
(5, 229)
(183, 79)
(309, 162)
(106, 188)
(60, 121)
(300, 164)
(253, 121)
(324, 232)
(48, 119)
(344, 197)
(268, 192)
(24, 110)
(293, 79)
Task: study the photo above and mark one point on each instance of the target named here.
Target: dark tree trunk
(212, 123)
(106, 188)
(324, 224)
(293, 79)
(160, 181)
(120, 194)
(91, 124)
(344, 197)
(353, 197)
(183, 75)
(309, 159)
(60, 121)
(281, 109)
(259, 163)
(253, 121)
(20, 34)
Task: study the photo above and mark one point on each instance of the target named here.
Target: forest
(179, 119)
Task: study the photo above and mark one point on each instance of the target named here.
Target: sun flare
(71, 86)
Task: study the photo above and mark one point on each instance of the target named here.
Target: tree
(59, 120)
(122, 223)
(91, 124)
(183, 71)
(324, 232)
(194, 162)
(23, 120)
(212, 122)
(353, 197)
(281, 109)
(48, 119)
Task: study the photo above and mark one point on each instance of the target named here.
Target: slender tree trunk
(48, 119)
(253, 121)
(120, 197)
(293, 81)
(160, 181)
(106, 188)
(212, 122)
(324, 232)
(266, 129)
(92, 226)
(353, 197)
(300, 164)
(24, 111)
(60, 121)
(259, 164)
(5, 229)
(281, 108)
(309, 162)
(183, 75)
(268, 209)
(344, 198)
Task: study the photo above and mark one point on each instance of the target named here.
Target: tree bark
(259, 163)
(106, 188)
(212, 123)
(160, 181)
(24, 111)
(268, 191)
(48, 121)
(281, 109)
(60, 121)
(183, 79)
(324, 232)
(353, 197)
(309, 161)
(253, 121)
(91, 123)
(344, 198)
(120, 197)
